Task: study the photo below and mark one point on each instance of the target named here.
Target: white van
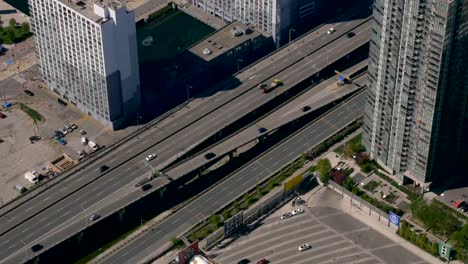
(84, 141)
(31, 177)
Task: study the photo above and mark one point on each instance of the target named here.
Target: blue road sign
(394, 218)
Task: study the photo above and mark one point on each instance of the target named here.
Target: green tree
(408, 233)
(226, 214)
(271, 183)
(434, 248)
(259, 191)
(323, 168)
(214, 220)
(12, 23)
(303, 158)
(235, 205)
(460, 243)
(11, 37)
(25, 27)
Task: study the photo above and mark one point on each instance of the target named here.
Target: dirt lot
(19, 155)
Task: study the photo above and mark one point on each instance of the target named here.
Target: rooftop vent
(207, 51)
(237, 31)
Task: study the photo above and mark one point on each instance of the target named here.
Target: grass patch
(391, 198)
(14, 33)
(33, 114)
(371, 186)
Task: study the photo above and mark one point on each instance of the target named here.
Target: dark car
(350, 34)
(464, 208)
(305, 108)
(62, 102)
(2, 115)
(243, 261)
(146, 187)
(209, 155)
(103, 168)
(37, 247)
(28, 92)
(261, 130)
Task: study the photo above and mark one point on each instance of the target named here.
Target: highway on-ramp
(246, 178)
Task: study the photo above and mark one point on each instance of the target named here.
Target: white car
(304, 247)
(150, 157)
(286, 216)
(297, 211)
(331, 30)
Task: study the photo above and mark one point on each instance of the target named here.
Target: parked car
(64, 131)
(103, 168)
(459, 203)
(243, 261)
(146, 187)
(263, 261)
(297, 201)
(331, 30)
(62, 141)
(2, 115)
(286, 216)
(28, 92)
(150, 157)
(81, 154)
(73, 125)
(81, 131)
(297, 211)
(464, 208)
(261, 130)
(94, 217)
(304, 247)
(62, 102)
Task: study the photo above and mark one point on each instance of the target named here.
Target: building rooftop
(224, 39)
(86, 7)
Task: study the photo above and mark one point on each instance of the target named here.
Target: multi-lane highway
(322, 94)
(152, 242)
(58, 211)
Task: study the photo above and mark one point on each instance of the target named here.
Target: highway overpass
(151, 243)
(52, 211)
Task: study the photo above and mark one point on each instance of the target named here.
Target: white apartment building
(87, 53)
(272, 16)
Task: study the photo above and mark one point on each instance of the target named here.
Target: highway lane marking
(29, 209)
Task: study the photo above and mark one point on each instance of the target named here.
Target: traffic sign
(394, 218)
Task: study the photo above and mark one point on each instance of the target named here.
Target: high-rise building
(276, 17)
(87, 53)
(416, 118)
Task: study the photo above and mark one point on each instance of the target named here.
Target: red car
(2, 115)
(263, 261)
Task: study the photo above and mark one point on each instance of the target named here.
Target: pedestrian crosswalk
(20, 65)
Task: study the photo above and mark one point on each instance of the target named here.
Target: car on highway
(37, 247)
(243, 261)
(305, 108)
(150, 157)
(263, 261)
(103, 168)
(304, 247)
(351, 34)
(62, 141)
(62, 102)
(297, 211)
(94, 217)
(28, 92)
(146, 187)
(331, 30)
(261, 130)
(209, 155)
(286, 216)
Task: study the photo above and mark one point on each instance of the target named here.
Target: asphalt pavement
(22, 237)
(334, 236)
(233, 187)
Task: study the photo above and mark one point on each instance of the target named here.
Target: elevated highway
(53, 210)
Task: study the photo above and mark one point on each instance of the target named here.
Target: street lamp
(138, 118)
(188, 94)
(290, 31)
(238, 62)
